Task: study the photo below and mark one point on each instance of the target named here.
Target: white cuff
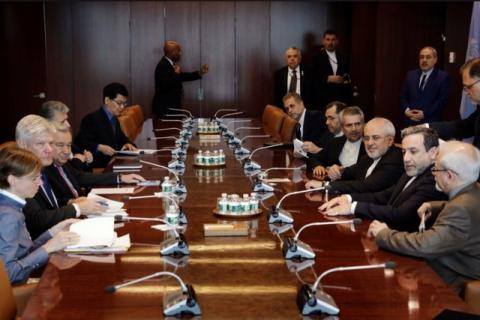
(349, 198)
(353, 206)
(77, 210)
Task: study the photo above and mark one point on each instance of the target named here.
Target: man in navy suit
(397, 206)
(100, 131)
(332, 73)
(169, 78)
(310, 126)
(468, 127)
(425, 90)
(302, 79)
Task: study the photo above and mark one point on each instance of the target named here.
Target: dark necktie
(298, 131)
(293, 82)
(422, 82)
(67, 181)
(113, 123)
(48, 191)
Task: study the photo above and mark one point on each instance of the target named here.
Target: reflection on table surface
(238, 277)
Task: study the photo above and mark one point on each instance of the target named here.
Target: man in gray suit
(452, 245)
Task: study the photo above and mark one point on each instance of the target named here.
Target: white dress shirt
(349, 154)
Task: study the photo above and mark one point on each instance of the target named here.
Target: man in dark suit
(469, 127)
(294, 78)
(332, 73)
(310, 126)
(425, 90)
(57, 112)
(342, 151)
(450, 245)
(100, 131)
(169, 78)
(43, 211)
(397, 206)
(379, 169)
(69, 183)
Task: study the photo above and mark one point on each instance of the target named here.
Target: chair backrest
(472, 296)
(127, 123)
(136, 113)
(272, 120)
(287, 132)
(8, 308)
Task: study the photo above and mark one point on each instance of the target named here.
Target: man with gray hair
(451, 244)
(425, 90)
(293, 78)
(35, 133)
(379, 169)
(57, 111)
(397, 206)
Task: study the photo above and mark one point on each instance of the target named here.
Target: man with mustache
(425, 90)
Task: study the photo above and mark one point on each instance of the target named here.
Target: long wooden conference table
(239, 277)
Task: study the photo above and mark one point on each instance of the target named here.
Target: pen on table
(103, 203)
(421, 227)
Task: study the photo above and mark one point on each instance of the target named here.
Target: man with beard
(397, 206)
(450, 245)
(310, 126)
(379, 169)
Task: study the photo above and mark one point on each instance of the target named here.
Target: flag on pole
(473, 51)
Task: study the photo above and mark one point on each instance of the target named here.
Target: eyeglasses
(373, 138)
(61, 145)
(469, 86)
(433, 169)
(120, 104)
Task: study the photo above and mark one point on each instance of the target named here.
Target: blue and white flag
(473, 51)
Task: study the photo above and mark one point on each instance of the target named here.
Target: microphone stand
(251, 165)
(174, 304)
(293, 248)
(311, 301)
(277, 215)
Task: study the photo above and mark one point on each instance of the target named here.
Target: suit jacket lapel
(108, 127)
(399, 188)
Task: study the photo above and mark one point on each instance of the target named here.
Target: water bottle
(222, 203)
(167, 186)
(221, 157)
(172, 215)
(253, 202)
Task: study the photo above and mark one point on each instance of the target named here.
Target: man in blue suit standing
(425, 90)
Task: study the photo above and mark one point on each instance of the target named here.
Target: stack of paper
(127, 167)
(114, 208)
(135, 152)
(97, 235)
(127, 190)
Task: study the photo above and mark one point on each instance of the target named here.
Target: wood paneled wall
(93, 43)
(74, 48)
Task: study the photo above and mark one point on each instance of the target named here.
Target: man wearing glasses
(469, 127)
(379, 169)
(450, 246)
(100, 130)
(397, 206)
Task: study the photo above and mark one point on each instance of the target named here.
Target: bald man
(169, 78)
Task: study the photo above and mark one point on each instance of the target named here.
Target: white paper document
(297, 147)
(135, 152)
(126, 190)
(94, 232)
(120, 245)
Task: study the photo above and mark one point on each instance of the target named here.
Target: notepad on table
(127, 190)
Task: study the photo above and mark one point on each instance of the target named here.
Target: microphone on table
(224, 127)
(174, 304)
(223, 110)
(293, 248)
(232, 140)
(239, 150)
(311, 301)
(179, 187)
(162, 138)
(182, 218)
(278, 215)
(171, 247)
(182, 110)
(182, 132)
(261, 175)
(231, 114)
(251, 165)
